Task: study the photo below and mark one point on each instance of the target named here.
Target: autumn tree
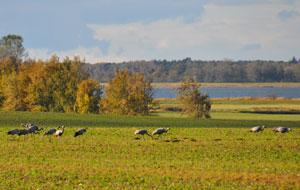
(88, 97)
(40, 90)
(14, 93)
(43, 86)
(8, 66)
(195, 104)
(127, 94)
(64, 81)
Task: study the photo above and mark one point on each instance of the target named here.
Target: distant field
(172, 119)
(174, 85)
(271, 120)
(236, 107)
(217, 153)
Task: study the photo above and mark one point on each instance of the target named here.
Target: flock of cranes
(59, 131)
(28, 129)
(275, 129)
(33, 129)
(158, 132)
(256, 129)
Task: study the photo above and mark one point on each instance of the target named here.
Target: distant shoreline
(218, 85)
(237, 85)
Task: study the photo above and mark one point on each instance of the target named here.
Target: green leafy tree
(68, 74)
(88, 97)
(128, 94)
(195, 104)
(12, 46)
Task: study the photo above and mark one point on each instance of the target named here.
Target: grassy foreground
(218, 153)
(185, 158)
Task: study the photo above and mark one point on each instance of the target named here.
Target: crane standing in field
(80, 132)
(160, 131)
(51, 131)
(281, 129)
(13, 132)
(257, 129)
(60, 132)
(34, 129)
(23, 132)
(31, 128)
(142, 132)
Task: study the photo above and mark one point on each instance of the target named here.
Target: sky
(128, 30)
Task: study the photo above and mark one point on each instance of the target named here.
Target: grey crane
(142, 132)
(160, 131)
(31, 127)
(80, 132)
(281, 129)
(13, 132)
(59, 132)
(34, 129)
(257, 128)
(51, 131)
(23, 132)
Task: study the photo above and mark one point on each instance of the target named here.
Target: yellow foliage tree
(195, 104)
(14, 93)
(127, 94)
(8, 66)
(41, 86)
(88, 97)
(39, 90)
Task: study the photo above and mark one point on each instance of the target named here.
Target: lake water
(231, 92)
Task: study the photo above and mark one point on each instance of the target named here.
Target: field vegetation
(186, 158)
(217, 153)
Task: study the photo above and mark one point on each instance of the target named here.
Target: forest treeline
(161, 71)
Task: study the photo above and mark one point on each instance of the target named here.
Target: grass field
(217, 153)
(242, 105)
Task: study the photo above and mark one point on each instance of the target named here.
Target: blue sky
(123, 30)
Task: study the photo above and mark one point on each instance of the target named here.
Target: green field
(217, 153)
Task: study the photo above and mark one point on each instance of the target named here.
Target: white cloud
(231, 26)
(221, 31)
(90, 54)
